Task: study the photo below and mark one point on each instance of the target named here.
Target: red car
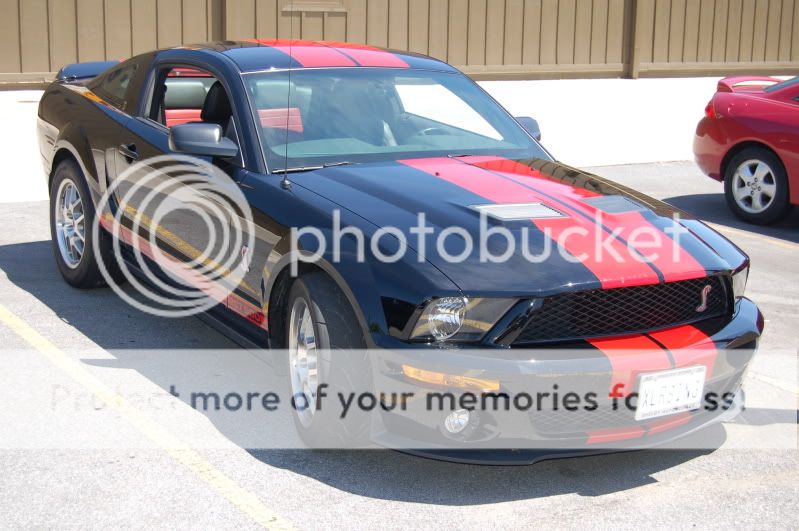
(749, 139)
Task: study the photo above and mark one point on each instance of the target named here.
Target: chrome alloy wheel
(303, 357)
(754, 186)
(70, 224)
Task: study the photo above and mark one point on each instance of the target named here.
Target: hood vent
(519, 211)
(614, 204)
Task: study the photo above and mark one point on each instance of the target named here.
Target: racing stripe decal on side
(576, 234)
(308, 54)
(688, 346)
(664, 253)
(178, 268)
(629, 356)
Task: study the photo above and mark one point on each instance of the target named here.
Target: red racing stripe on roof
(366, 55)
(308, 54)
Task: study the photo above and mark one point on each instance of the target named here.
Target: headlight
(459, 318)
(739, 279)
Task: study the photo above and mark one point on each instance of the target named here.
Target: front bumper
(529, 436)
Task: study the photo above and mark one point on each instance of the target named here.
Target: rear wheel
(71, 217)
(325, 346)
(756, 186)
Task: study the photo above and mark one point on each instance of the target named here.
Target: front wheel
(756, 186)
(325, 346)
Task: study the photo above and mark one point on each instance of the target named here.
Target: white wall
(585, 122)
(596, 122)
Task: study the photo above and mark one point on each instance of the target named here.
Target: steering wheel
(431, 131)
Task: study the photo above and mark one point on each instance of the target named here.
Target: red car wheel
(756, 186)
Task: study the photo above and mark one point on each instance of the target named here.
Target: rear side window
(786, 83)
(114, 85)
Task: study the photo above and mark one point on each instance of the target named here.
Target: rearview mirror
(201, 139)
(530, 125)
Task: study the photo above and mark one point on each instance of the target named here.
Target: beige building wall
(486, 38)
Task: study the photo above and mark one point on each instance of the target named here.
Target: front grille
(611, 312)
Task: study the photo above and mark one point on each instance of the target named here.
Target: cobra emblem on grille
(705, 292)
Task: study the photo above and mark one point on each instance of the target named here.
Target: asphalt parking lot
(122, 469)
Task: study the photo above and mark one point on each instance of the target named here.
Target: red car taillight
(710, 111)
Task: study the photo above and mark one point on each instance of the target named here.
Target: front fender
(368, 283)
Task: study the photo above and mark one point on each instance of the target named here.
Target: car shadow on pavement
(713, 208)
(99, 314)
(391, 475)
(108, 322)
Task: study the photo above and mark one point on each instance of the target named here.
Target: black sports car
(405, 152)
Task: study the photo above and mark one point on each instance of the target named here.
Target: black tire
(342, 363)
(780, 204)
(86, 274)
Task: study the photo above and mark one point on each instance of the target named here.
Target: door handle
(129, 152)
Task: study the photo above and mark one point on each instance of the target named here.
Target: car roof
(280, 54)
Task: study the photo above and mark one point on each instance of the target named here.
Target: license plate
(668, 392)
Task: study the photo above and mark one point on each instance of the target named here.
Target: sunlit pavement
(150, 483)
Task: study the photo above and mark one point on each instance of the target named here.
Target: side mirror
(201, 139)
(530, 125)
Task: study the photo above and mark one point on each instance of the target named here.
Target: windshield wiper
(297, 170)
(312, 168)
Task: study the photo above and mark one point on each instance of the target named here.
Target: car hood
(580, 231)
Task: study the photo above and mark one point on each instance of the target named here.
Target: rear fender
(93, 165)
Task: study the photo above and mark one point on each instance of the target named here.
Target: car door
(177, 209)
(787, 136)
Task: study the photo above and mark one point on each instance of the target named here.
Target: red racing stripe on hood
(501, 190)
(672, 260)
(629, 356)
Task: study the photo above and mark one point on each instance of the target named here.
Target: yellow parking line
(178, 450)
(746, 234)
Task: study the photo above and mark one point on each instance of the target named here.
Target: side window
(185, 95)
(114, 85)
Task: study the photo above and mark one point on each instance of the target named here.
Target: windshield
(315, 117)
